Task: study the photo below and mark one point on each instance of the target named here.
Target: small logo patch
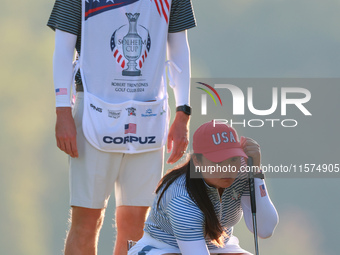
(114, 114)
(148, 113)
(131, 111)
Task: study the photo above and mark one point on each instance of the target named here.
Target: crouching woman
(197, 215)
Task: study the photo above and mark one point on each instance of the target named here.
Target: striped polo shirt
(179, 218)
(66, 16)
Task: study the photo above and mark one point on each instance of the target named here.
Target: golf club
(253, 202)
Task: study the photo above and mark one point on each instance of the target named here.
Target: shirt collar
(210, 188)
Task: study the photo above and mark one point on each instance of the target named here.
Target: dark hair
(197, 191)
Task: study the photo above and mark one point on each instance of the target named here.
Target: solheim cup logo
(131, 46)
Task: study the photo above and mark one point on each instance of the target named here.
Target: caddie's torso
(124, 48)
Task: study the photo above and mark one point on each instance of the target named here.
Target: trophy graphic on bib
(132, 46)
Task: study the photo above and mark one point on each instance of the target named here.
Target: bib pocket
(129, 127)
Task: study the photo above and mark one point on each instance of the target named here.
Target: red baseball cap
(217, 142)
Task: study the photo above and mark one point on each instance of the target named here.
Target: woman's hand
(252, 149)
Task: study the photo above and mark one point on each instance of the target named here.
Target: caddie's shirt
(177, 14)
(179, 218)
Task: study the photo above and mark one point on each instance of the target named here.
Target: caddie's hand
(252, 149)
(65, 131)
(178, 137)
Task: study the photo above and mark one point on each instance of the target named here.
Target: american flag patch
(130, 128)
(61, 91)
(263, 190)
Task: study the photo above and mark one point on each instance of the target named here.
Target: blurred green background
(234, 38)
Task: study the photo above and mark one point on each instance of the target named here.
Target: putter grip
(251, 185)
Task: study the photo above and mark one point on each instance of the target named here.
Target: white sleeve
(179, 53)
(62, 66)
(266, 214)
(193, 247)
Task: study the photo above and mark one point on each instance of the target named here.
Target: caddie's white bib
(122, 65)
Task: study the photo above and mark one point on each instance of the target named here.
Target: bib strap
(76, 68)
